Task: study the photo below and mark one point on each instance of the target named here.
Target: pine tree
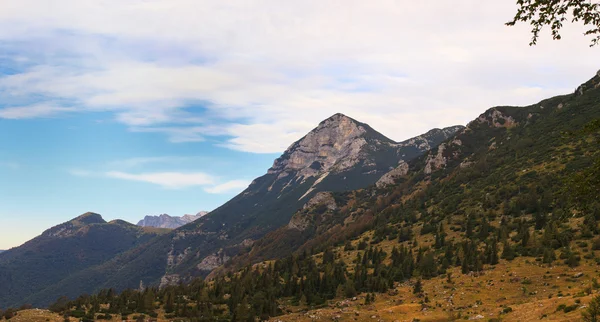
(507, 252)
(418, 287)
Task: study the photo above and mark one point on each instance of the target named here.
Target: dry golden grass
(532, 291)
(36, 315)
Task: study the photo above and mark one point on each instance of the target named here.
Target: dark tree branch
(553, 13)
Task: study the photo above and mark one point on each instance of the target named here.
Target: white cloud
(32, 111)
(170, 180)
(176, 134)
(264, 73)
(229, 186)
(140, 161)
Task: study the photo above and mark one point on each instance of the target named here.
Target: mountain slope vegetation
(339, 154)
(63, 250)
(499, 221)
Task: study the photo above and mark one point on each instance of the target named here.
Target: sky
(142, 107)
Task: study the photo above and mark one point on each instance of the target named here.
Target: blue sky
(56, 168)
(131, 108)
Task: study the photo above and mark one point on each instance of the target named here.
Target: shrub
(507, 309)
(592, 313)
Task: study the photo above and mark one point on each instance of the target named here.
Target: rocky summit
(335, 145)
(166, 221)
(342, 145)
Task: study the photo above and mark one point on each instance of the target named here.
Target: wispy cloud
(233, 185)
(141, 161)
(176, 134)
(32, 111)
(170, 180)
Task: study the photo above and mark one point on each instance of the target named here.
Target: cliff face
(341, 145)
(335, 145)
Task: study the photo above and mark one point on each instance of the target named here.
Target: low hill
(61, 251)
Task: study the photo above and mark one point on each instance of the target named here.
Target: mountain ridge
(498, 222)
(62, 250)
(320, 224)
(353, 156)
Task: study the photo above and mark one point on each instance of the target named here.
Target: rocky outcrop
(390, 177)
(190, 218)
(325, 203)
(171, 279)
(431, 139)
(172, 222)
(174, 259)
(436, 161)
(494, 118)
(322, 198)
(334, 145)
(213, 261)
(299, 222)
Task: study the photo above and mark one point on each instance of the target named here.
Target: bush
(507, 309)
(571, 308)
(9, 313)
(592, 313)
(78, 314)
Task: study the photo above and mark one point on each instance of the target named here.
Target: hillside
(61, 251)
(530, 161)
(498, 222)
(338, 155)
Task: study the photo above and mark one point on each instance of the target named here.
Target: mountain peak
(88, 218)
(337, 138)
(338, 117)
(68, 228)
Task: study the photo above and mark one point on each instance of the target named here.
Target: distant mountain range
(166, 221)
